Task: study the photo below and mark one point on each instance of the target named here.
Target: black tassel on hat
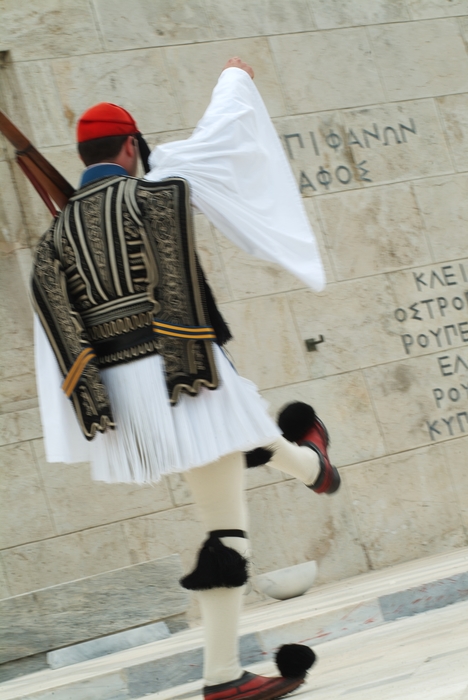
(218, 566)
(144, 151)
(294, 660)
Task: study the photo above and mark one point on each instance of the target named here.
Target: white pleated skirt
(152, 437)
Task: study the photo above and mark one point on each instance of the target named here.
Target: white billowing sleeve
(241, 180)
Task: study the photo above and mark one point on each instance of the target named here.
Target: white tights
(218, 490)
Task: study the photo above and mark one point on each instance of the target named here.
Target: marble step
(172, 667)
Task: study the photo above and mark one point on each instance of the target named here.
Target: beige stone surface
(152, 23)
(4, 590)
(260, 17)
(422, 9)
(49, 28)
(431, 308)
(121, 77)
(326, 70)
(420, 59)
(12, 233)
(421, 400)
(318, 152)
(344, 404)
(456, 459)
(443, 203)
(20, 425)
(61, 559)
(17, 393)
(13, 363)
(176, 531)
(266, 325)
(34, 104)
(405, 506)
(211, 260)
(399, 153)
(371, 231)
(321, 527)
(76, 502)
(329, 14)
(317, 227)
(454, 113)
(251, 277)
(22, 497)
(195, 70)
(15, 309)
(355, 318)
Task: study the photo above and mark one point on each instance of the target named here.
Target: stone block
(266, 347)
(420, 59)
(19, 426)
(195, 71)
(12, 233)
(111, 687)
(161, 534)
(371, 231)
(326, 70)
(53, 28)
(16, 361)
(421, 400)
(290, 524)
(249, 277)
(405, 506)
(263, 476)
(259, 18)
(410, 141)
(77, 502)
(152, 23)
(33, 103)
(15, 319)
(454, 112)
(430, 596)
(121, 77)
(4, 589)
(456, 459)
(17, 393)
(355, 318)
(22, 498)
(55, 561)
(108, 645)
(90, 608)
(180, 491)
(210, 258)
(430, 312)
(424, 9)
(330, 14)
(344, 404)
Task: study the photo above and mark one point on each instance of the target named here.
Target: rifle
(46, 180)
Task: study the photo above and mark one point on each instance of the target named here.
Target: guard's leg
(218, 490)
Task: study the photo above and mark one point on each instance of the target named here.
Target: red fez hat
(105, 119)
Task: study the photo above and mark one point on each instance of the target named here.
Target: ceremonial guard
(131, 370)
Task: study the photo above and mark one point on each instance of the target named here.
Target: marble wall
(370, 100)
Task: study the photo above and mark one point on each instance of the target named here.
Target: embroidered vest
(116, 278)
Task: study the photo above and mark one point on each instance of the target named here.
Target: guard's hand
(236, 62)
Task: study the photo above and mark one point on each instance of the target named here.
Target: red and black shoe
(293, 662)
(252, 687)
(300, 424)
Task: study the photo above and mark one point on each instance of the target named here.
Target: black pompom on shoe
(295, 420)
(258, 457)
(294, 660)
